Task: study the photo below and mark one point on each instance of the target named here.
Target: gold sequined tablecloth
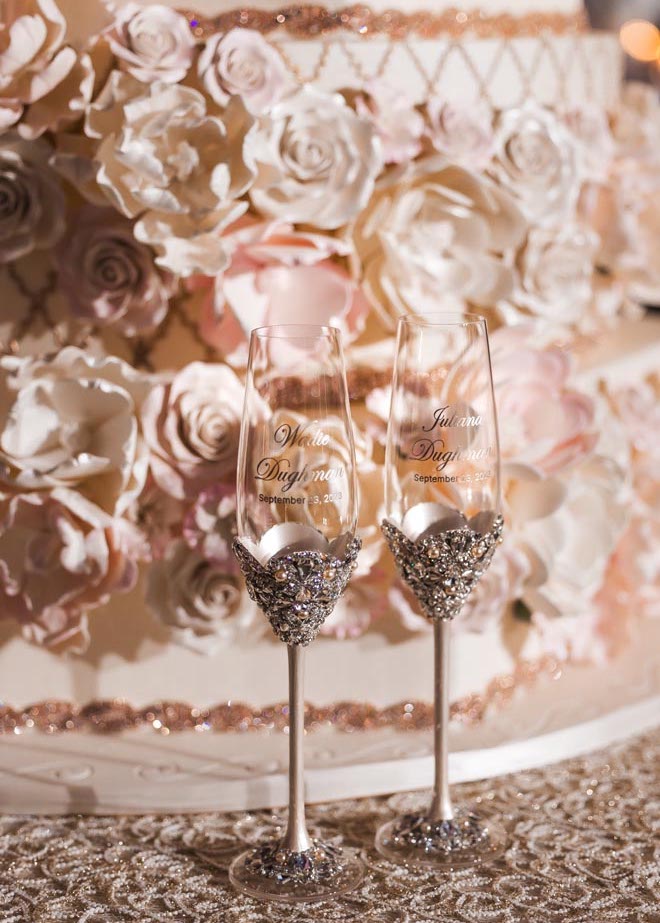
(584, 847)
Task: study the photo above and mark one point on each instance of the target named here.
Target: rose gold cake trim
(113, 715)
(313, 20)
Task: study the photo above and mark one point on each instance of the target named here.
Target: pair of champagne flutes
(297, 545)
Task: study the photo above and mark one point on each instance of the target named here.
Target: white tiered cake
(454, 69)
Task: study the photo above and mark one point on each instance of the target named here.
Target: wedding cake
(172, 178)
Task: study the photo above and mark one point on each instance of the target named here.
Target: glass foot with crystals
(296, 546)
(420, 839)
(273, 872)
(443, 524)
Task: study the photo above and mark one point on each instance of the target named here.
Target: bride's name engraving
(445, 416)
(434, 448)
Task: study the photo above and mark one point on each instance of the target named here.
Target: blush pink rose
(398, 124)
(276, 276)
(210, 525)
(60, 557)
(543, 422)
(152, 42)
(242, 63)
(192, 427)
(462, 132)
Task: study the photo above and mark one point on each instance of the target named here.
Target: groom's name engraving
(445, 416)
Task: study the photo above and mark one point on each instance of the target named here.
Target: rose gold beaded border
(114, 715)
(312, 20)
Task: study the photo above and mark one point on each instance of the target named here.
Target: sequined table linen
(584, 847)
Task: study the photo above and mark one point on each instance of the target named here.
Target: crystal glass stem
(296, 838)
(441, 807)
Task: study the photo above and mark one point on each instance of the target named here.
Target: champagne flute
(297, 547)
(442, 501)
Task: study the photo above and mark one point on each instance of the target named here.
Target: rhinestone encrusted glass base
(272, 872)
(416, 839)
(443, 569)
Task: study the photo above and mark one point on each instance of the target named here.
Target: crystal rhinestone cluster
(443, 569)
(443, 837)
(298, 591)
(320, 863)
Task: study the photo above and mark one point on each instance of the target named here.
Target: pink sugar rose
(111, 278)
(242, 63)
(398, 124)
(192, 427)
(210, 525)
(462, 132)
(276, 276)
(152, 42)
(542, 421)
(60, 557)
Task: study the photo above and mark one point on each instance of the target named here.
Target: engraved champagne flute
(297, 546)
(443, 523)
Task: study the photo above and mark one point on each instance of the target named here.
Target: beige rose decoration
(436, 231)
(109, 277)
(177, 170)
(152, 42)
(192, 427)
(71, 422)
(241, 62)
(44, 82)
(60, 556)
(200, 600)
(535, 160)
(32, 202)
(317, 160)
(556, 280)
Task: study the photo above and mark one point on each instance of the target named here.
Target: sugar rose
(535, 161)
(192, 427)
(72, 422)
(241, 62)
(199, 600)
(316, 160)
(60, 557)
(177, 170)
(44, 82)
(109, 277)
(398, 124)
(462, 131)
(436, 231)
(152, 42)
(32, 202)
(556, 273)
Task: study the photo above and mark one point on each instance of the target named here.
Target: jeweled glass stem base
(416, 839)
(274, 873)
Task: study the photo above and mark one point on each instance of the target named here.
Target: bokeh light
(641, 40)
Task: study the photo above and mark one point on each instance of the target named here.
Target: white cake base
(142, 771)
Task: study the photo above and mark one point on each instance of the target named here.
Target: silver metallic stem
(441, 807)
(296, 838)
